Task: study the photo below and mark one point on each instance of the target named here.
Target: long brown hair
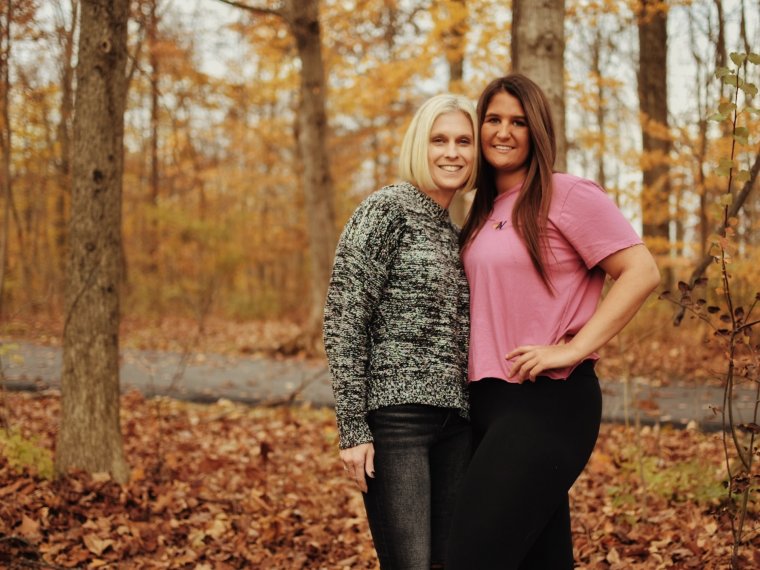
(532, 207)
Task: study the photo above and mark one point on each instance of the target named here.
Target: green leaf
(726, 163)
(741, 135)
(730, 79)
(753, 58)
(750, 89)
(742, 131)
(742, 176)
(722, 171)
(751, 110)
(726, 199)
(738, 58)
(717, 117)
(726, 108)
(722, 71)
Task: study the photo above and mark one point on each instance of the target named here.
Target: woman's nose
(451, 149)
(504, 131)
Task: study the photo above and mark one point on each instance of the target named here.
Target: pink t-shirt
(509, 304)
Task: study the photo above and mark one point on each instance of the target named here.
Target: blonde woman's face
(451, 151)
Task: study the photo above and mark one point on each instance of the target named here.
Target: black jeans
(533, 440)
(421, 454)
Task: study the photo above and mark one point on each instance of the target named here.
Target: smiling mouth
(503, 148)
(450, 168)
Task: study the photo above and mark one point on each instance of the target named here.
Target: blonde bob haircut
(413, 158)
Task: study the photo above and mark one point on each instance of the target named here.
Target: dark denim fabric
(421, 455)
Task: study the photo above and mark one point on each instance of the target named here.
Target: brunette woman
(536, 246)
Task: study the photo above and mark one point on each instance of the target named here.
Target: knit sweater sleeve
(363, 258)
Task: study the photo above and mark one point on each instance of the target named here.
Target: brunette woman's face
(505, 140)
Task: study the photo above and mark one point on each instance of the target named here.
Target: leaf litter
(228, 486)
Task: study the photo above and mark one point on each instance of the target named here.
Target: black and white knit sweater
(396, 319)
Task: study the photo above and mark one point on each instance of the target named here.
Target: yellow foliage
(26, 453)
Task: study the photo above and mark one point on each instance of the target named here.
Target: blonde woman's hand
(358, 461)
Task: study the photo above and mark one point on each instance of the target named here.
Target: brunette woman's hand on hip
(531, 360)
(358, 461)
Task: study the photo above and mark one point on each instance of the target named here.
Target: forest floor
(228, 486)
(233, 486)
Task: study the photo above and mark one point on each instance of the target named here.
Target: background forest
(215, 219)
(252, 129)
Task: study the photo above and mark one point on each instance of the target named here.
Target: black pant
(421, 454)
(534, 439)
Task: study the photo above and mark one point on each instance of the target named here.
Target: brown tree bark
(5, 143)
(454, 42)
(303, 16)
(538, 50)
(152, 231)
(653, 107)
(66, 74)
(597, 48)
(89, 437)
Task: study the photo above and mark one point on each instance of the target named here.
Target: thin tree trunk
(454, 43)
(653, 106)
(302, 17)
(64, 136)
(596, 68)
(89, 437)
(6, 138)
(317, 180)
(153, 241)
(538, 50)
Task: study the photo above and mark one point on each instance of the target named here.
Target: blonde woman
(395, 332)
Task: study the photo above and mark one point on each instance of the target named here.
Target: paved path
(204, 377)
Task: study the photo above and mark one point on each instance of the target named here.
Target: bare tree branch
(733, 210)
(254, 9)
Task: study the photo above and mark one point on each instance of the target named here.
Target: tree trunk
(89, 437)
(66, 40)
(601, 111)
(303, 16)
(5, 145)
(538, 49)
(653, 106)
(153, 241)
(455, 13)
(454, 43)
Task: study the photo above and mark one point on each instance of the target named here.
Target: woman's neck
(505, 181)
(442, 197)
